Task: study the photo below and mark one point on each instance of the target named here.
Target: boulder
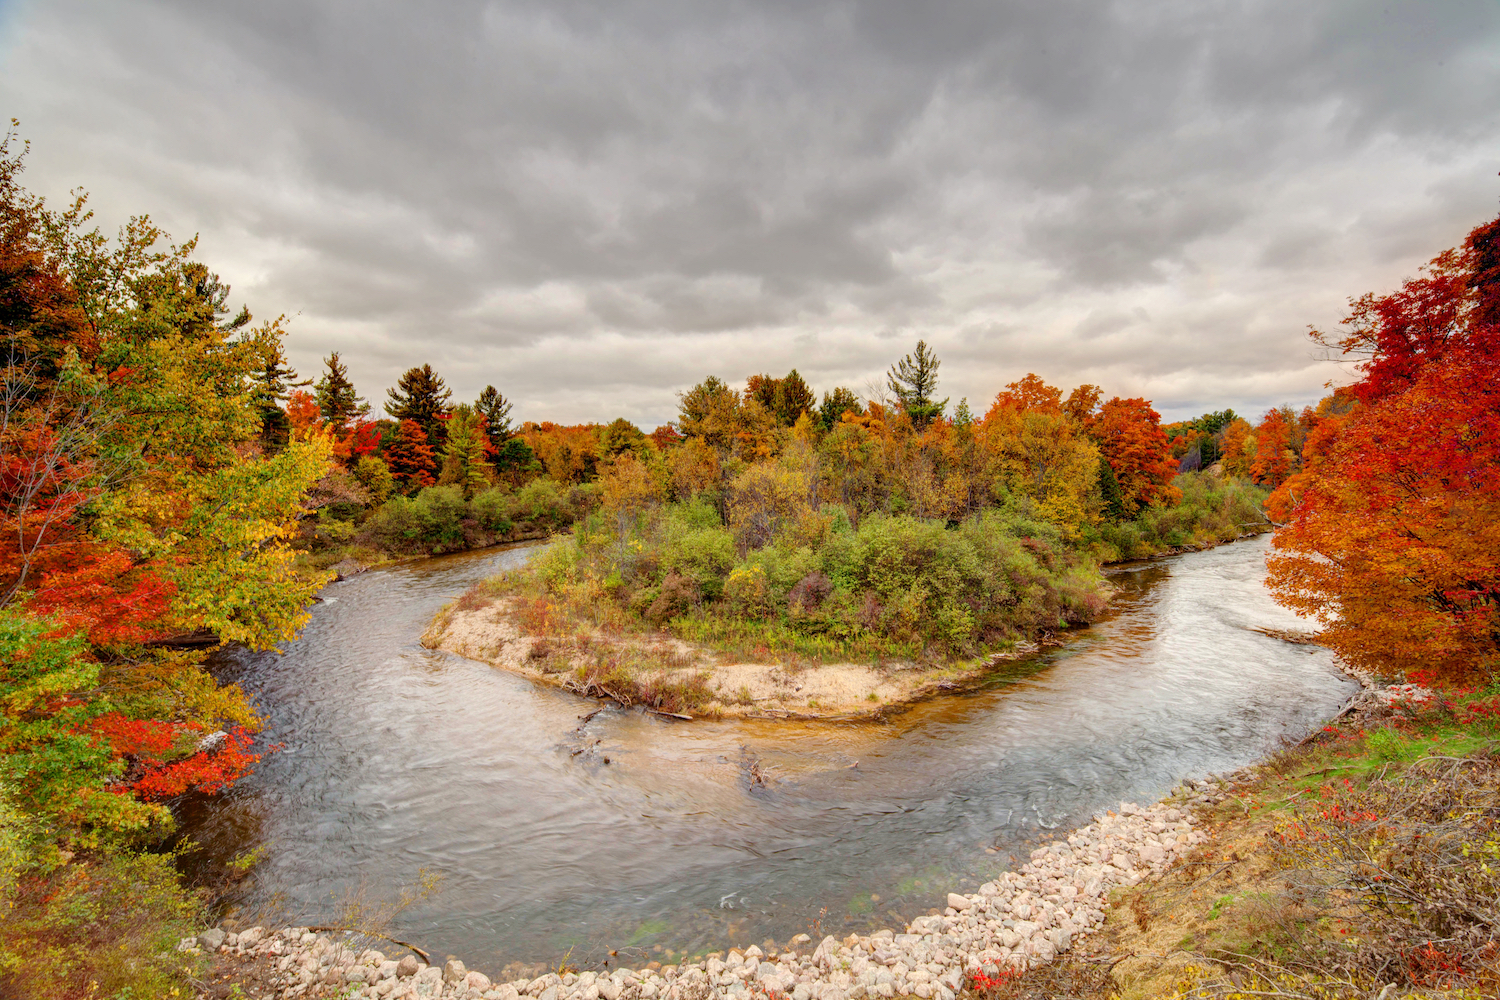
(454, 971)
(407, 966)
(959, 903)
(211, 939)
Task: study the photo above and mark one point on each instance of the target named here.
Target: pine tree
(337, 400)
(421, 395)
(272, 383)
(495, 409)
(914, 381)
(464, 462)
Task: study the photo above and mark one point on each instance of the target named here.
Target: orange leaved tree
(1392, 538)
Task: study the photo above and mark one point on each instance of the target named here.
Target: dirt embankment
(680, 678)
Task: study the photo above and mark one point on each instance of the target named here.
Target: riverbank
(1236, 886)
(1020, 919)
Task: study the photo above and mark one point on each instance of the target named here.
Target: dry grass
(1342, 867)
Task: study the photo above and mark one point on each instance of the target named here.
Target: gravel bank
(1022, 918)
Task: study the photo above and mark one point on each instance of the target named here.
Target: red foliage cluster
(979, 982)
(147, 745)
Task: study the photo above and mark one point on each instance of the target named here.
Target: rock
(210, 939)
(454, 970)
(346, 568)
(609, 990)
(251, 936)
(550, 993)
(959, 903)
(754, 952)
(407, 966)
(477, 981)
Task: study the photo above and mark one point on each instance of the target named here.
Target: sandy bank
(692, 678)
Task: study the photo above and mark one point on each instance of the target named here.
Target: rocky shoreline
(1022, 918)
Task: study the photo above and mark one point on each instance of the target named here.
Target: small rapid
(397, 760)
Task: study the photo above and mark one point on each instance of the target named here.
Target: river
(397, 760)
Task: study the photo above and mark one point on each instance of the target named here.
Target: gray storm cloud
(592, 206)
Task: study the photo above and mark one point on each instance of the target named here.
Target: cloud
(593, 205)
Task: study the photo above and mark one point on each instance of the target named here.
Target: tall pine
(420, 395)
(337, 400)
(464, 462)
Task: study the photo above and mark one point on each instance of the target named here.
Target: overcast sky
(594, 205)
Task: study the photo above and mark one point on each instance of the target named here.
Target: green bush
(101, 926)
(492, 510)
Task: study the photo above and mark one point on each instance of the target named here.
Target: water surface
(397, 759)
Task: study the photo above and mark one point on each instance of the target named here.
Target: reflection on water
(399, 759)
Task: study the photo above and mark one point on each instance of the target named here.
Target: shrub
(809, 593)
(491, 510)
(679, 594)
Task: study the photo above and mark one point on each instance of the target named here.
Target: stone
(959, 903)
(454, 970)
(407, 966)
(211, 939)
(252, 936)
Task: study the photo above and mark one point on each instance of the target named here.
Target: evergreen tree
(272, 382)
(914, 381)
(963, 416)
(421, 395)
(464, 452)
(337, 400)
(835, 405)
(1109, 490)
(495, 409)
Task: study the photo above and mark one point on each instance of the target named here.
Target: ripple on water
(399, 759)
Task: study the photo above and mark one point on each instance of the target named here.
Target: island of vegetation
(779, 558)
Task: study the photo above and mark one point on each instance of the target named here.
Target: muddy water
(399, 760)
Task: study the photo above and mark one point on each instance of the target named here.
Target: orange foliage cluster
(1392, 538)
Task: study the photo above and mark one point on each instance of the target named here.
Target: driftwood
(384, 937)
(201, 639)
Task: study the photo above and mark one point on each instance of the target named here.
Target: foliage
(105, 925)
(894, 582)
(494, 409)
(1392, 540)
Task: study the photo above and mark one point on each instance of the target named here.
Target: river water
(397, 760)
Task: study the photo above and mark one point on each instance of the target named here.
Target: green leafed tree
(914, 381)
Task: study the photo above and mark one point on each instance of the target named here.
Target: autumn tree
(412, 461)
(619, 436)
(421, 395)
(913, 380)
(132, 388)
(785, 398)
(1392, 534)
(1132, 442)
